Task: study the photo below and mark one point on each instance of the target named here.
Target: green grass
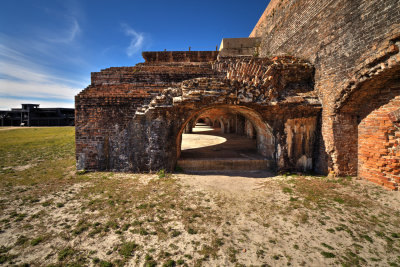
(34, 155)
(287, 190)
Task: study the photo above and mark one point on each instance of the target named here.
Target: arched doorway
(367, 130)
(239, 139)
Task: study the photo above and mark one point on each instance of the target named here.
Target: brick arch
(124, 126)
(381, 63)
(373, 84)
(265, 137)
(169, 113)
(207, 121)
(366, 132)
(378, 145)
(198, 121)
(215, 121)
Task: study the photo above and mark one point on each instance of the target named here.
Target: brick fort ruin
(317, 84)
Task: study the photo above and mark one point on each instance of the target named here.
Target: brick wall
(379, 146)
(112, 100)
(346, 40)
(131, 118)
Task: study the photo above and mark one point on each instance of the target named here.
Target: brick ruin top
(180, 56)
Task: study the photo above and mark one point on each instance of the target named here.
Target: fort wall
(132, 118)
(350, 43)
(318, 87)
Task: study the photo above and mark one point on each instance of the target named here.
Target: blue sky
(49, 48)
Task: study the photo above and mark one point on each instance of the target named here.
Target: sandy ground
(239, 220)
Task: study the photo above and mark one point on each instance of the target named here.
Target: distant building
(32, 115)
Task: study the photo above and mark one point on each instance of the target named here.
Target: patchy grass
(321, 192)
(53, 216)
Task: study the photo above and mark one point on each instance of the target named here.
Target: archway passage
(379, 145)
(369, 140)
(227, 142)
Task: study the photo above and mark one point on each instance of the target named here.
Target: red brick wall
(347, 41)
(379, 146)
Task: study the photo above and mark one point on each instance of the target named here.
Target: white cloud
(10, 53)
(21, 80)
(37, 67)
(137, 40)
(35, 75)
(67, 36)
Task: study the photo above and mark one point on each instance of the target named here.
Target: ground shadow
(247, 174)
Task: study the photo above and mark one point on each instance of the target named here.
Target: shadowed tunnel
(221, 139)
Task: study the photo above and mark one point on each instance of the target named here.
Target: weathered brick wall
(131, 118)
(346, 40)
(112, 100)
(300, 141)
(379, 146)
(295, 82)
(119, 128)
(201, 95)
(98, 119)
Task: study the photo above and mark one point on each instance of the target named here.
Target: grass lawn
(52, 216)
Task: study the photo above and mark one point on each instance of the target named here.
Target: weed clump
(149, 261)
(328, 254)
(191, 231)
(169, 263)
(175, 233)
(287, 190)
(105, 264)
(36, 241)
(65, 253)
(127, 249)
(162, 173)
(21, 240)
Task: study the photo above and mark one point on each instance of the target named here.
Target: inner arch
(227, 132)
